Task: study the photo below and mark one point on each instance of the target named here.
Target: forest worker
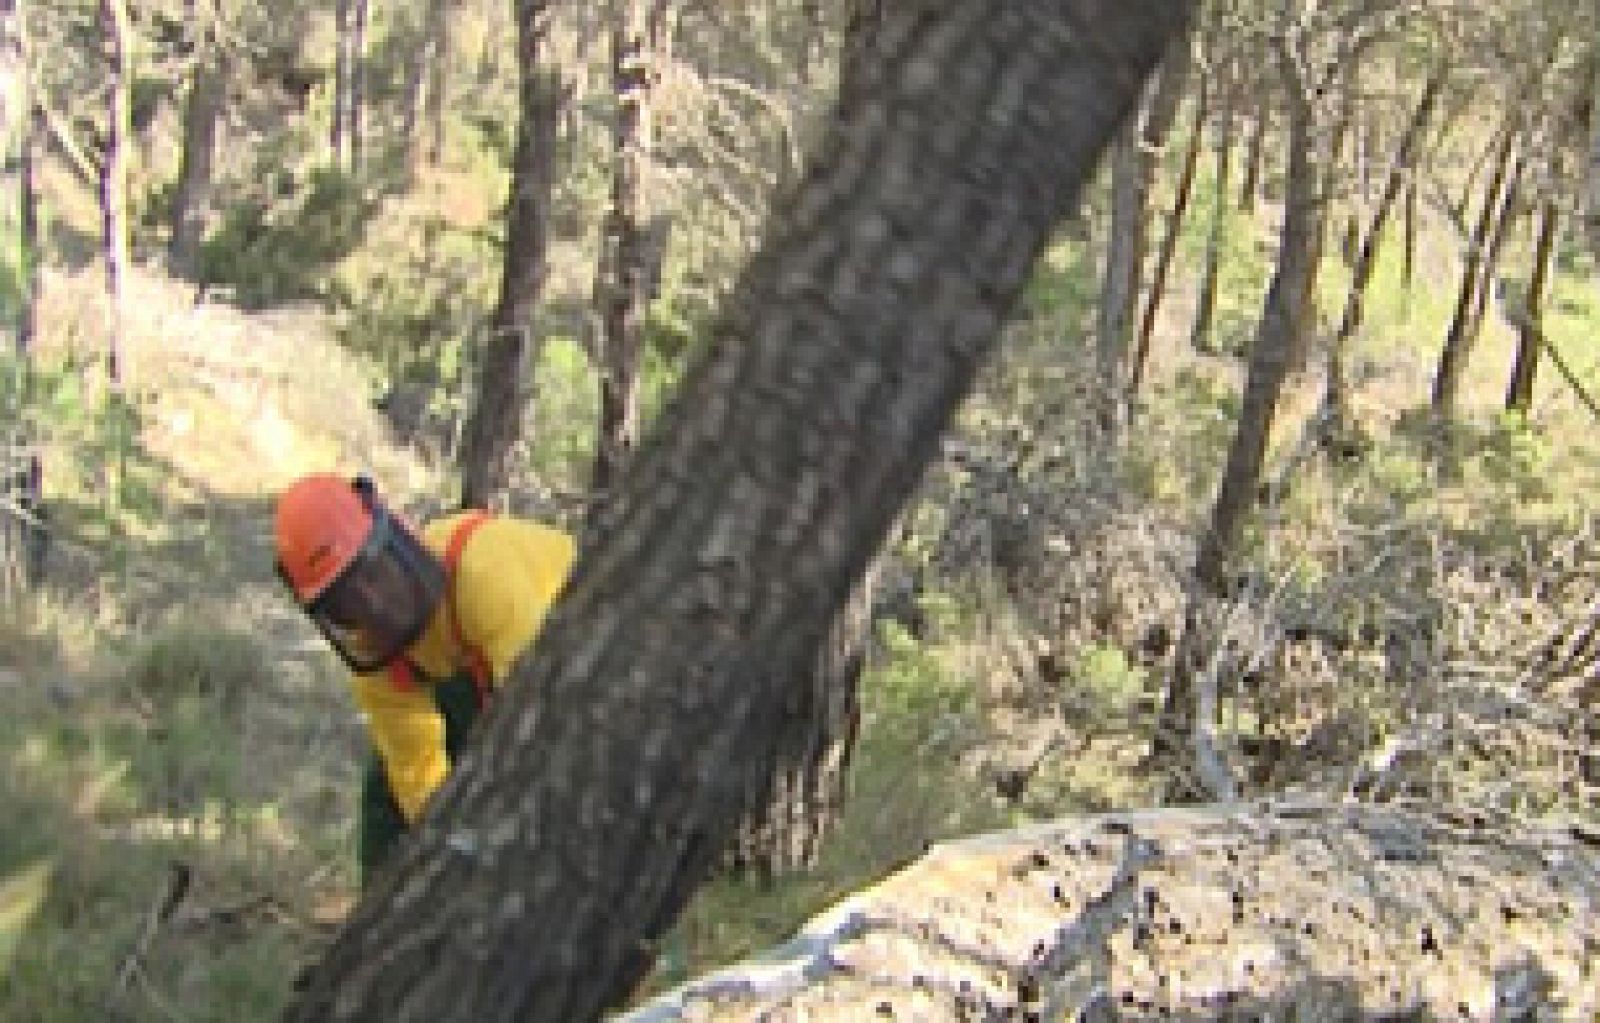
(428, 620)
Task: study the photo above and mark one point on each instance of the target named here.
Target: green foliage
(277, 245)
(1112, 682)
(21, 895)
(198, 658)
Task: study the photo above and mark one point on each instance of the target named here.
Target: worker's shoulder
(497, 530)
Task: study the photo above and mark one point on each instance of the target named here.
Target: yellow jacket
(508, 574)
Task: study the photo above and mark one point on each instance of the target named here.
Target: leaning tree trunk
(114, 176)
(202, 114)
(606, 779)
(1283, 316)
(422, 127)
(1335, 396)
(505, 377)
(1529, 319)
(1168, 249)
(1476, 270)
(1205, 303)
(631, 247)
(1133, 171)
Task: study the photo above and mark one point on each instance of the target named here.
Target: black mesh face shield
(381, 603)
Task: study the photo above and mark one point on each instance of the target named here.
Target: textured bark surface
(631, 248)
(202, 114)
(607, 778)
(1246, 912)
(505, 377)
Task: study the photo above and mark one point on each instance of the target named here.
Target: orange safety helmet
(358, 571)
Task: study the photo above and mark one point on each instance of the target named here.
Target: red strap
(476, 662)
(402, 674)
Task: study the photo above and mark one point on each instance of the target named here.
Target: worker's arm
(408, 732)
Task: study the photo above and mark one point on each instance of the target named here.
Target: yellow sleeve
(408, 732)
(510, 574)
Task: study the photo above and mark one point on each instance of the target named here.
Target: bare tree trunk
(631, 247)
(426, 85)
(356, 110)
(201, 115)
(114, 176)
(607, 778)
(1133, 171)
(1591, 175)
(1335, 397)
(1205, 306)
(1283, 316)
(28, 228)
(16, 167)
(1255, 157)
(1169, 241)
(1499, 200)
(343, 72)
(505, 379)
(1530, 318)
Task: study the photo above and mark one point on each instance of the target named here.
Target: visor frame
(389, 542)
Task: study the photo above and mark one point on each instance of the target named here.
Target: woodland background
(1282, 483)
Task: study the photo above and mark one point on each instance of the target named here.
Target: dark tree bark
(202, 114)
(1255, 157)
(511, 350)
(114, 175)
(787, 819)
(1168, 249)
(607, 779)
(1591, 162)
(1335, 396)
(1283, 318)
(1529, 319)
(1477, 272)
(632, 246)
(1133, 171)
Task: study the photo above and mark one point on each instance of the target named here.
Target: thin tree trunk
(606, 779)
(426, 85)
(1283, 315)
(201, 115)
(343, 70)
(505, 379)
(1255, 157)
(28, 240)
(1133, 170)
(356, 111)
(114, 177)
(1530, 318)
(1335, 397)
(1169, 241)
(1205, 306)
(631, 248)
(1591, 170)
(1464, 323)
(1408, 254)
